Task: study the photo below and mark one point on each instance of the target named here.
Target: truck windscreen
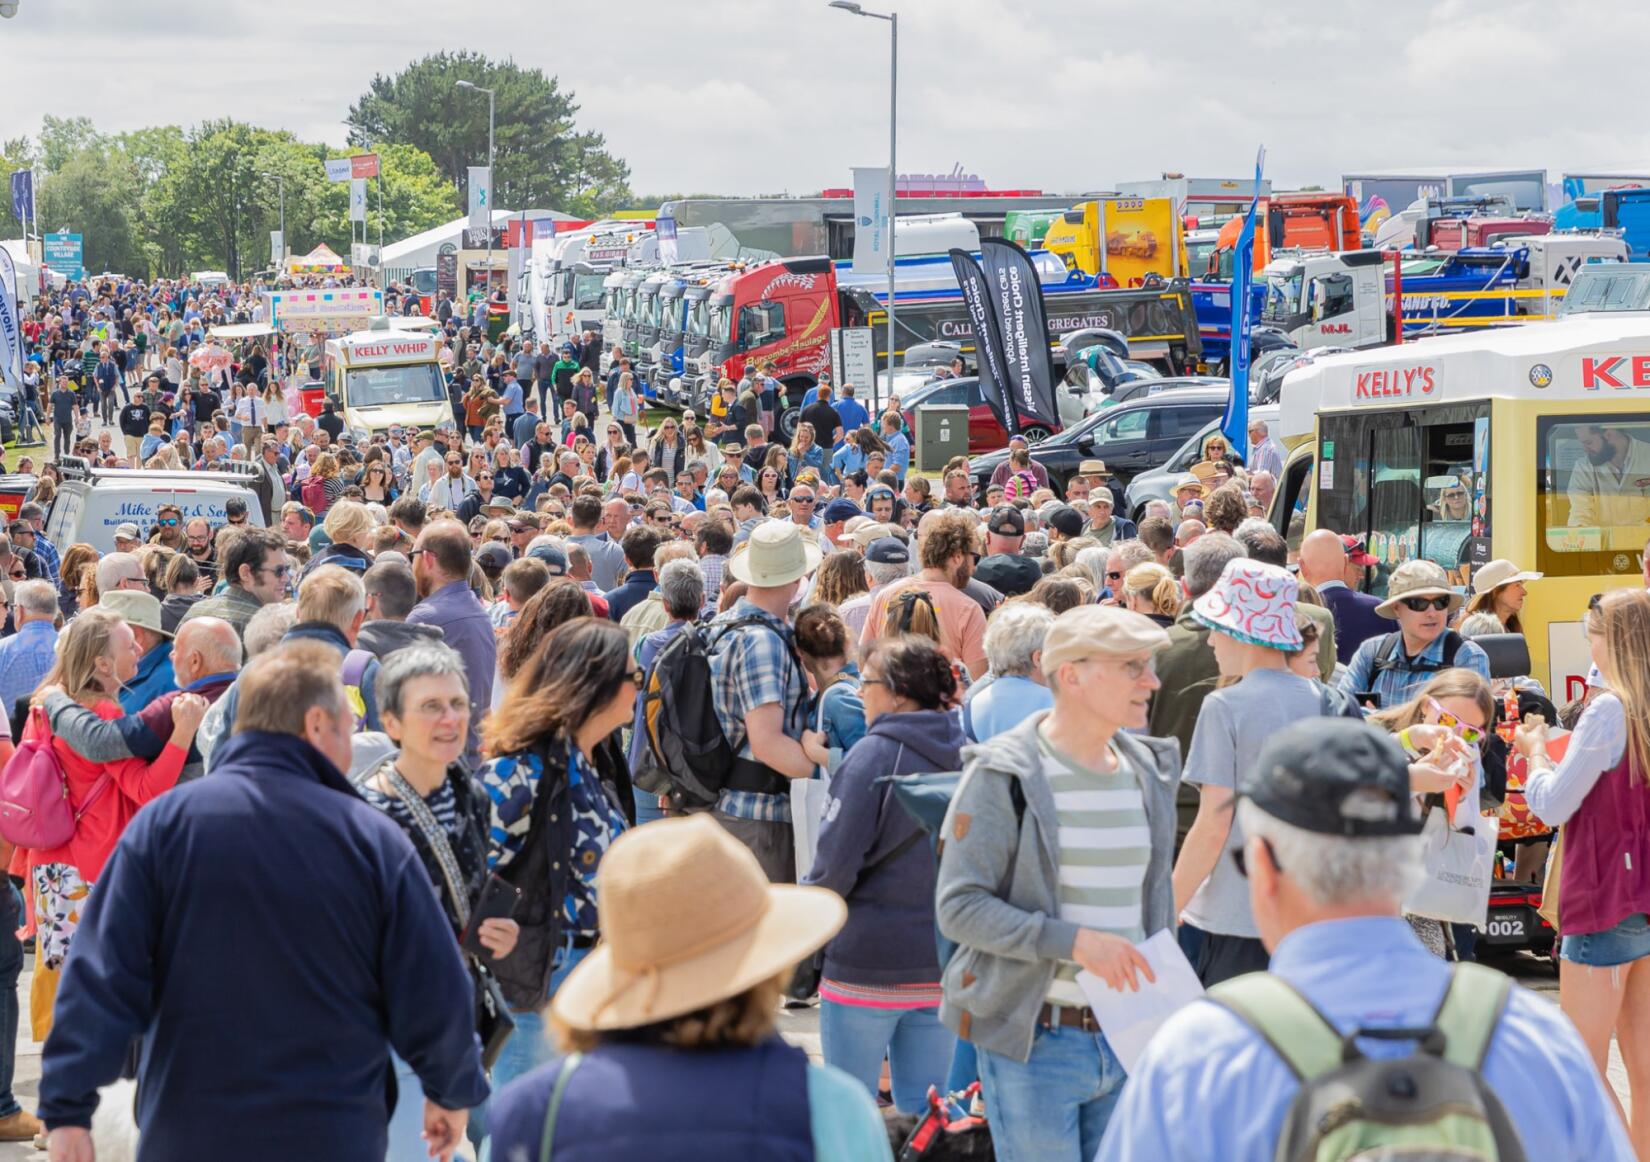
(1283, 296)
(721, 323)
(587, 291)
(406, 383)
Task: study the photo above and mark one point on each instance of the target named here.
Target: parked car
(1158, 483)
(1131, 438)
(984, 432)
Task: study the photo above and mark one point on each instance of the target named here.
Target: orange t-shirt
(962, 621)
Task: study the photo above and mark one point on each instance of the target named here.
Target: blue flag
(1235, 424)
(22, 195)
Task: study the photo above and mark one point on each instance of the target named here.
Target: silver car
(1158, 483)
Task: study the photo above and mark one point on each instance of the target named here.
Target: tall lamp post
(490, 182)
(893, 106)
(280, 189)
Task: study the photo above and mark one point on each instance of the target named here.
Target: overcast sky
(768, 96)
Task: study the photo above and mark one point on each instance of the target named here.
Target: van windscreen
(406, 383)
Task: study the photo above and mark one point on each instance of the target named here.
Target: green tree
(91, 194)
(542, 159)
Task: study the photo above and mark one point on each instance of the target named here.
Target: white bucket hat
(1498, 573)
(775, 555)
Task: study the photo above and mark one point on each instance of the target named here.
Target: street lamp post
(280, 188)
(893, 108)
(491, 185)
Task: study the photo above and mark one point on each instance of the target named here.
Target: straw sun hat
(688, 919)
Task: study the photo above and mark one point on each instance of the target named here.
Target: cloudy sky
(769, 96)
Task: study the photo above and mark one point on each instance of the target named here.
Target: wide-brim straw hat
(1418, 578)
(688, 919)
(776, 554)
(1498, 573)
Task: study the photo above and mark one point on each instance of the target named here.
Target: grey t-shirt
(606, 558)
(1232, 726)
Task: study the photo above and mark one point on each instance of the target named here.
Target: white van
(92, 502)
(386, 377)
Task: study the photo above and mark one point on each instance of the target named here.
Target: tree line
(166, 200)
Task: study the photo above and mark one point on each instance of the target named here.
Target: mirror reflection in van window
(1595, 489)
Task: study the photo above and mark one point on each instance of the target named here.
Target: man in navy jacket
(1323, 560)
(270, 937)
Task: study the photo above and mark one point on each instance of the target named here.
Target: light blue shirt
(1398, 684)
(899, 454)
(24, 659)
(1211, 1089)
(1002, 705)
(510, 401)
(844, 1121)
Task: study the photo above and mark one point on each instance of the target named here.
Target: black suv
(1131, 437)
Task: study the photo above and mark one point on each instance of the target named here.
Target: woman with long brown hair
(560, 791)
(1600, 793)
(556, 604)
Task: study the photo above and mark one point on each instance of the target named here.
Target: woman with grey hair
(1017, 689)
(426, 790)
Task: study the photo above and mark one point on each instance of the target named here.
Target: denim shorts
(1626, 942)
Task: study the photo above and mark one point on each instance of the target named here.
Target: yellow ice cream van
(1530, 443)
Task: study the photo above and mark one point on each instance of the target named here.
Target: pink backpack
(35, 810)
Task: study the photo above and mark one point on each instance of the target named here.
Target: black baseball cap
(1066, 521)
(1008, 573)
(1334, 776)
(1008, 521)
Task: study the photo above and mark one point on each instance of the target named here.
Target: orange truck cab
(1326, 222)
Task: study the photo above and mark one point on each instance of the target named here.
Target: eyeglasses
(1422, 604)
(1467, 734)
(1113, 575)
(1242, 863)
(1134, 671)
(638, 678)
(277, 570)
(795, 499)
(168, 522)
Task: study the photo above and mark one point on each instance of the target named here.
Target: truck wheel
(1035, 433)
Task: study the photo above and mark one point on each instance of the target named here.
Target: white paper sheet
(1129, 1019)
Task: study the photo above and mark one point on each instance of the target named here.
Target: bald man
(206, 656)
(1323, 566)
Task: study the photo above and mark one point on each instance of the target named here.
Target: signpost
(66, 254)
(854, 358)
(446, 271)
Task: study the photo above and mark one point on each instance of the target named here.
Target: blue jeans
(1626, 942)
(855, 1038)
(529, 1046)
(1054, 1106)
(965, 1067)
(647, 806)
(11, 965)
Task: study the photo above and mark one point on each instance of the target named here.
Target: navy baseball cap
(840, 510)
(1334, 776)
(554, 559)
(888, 551)
(493, 555)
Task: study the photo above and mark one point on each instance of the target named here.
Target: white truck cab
(1323, 300)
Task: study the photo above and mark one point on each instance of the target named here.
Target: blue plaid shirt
(1400, 681)
(752, 667)
(49, 560)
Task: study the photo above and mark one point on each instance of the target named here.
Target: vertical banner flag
(277, 249)
(988, 348)
(870, 217)
(22, 196)
(358, 199)
(1017, 301)
(1234, 425)
(664, 229)
(11, 335)
(480, 186)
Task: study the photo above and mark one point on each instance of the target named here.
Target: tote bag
(1459, 861)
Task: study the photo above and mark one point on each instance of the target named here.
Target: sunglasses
(168, 522)
(1422, 604)
(1242, 863)
(1468, 734)
(638, 678)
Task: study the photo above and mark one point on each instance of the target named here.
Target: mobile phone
(498, 902)
(1367, 698)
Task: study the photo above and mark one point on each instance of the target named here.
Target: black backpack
(688, 756)
(1389, 654)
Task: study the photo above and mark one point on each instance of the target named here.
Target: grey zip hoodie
(998, 894)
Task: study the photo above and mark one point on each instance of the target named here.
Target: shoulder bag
(494, 1023)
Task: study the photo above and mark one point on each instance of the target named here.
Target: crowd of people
(479, 765)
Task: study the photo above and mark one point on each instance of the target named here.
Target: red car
(985, 434)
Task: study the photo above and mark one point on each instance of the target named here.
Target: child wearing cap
(1251, 615)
